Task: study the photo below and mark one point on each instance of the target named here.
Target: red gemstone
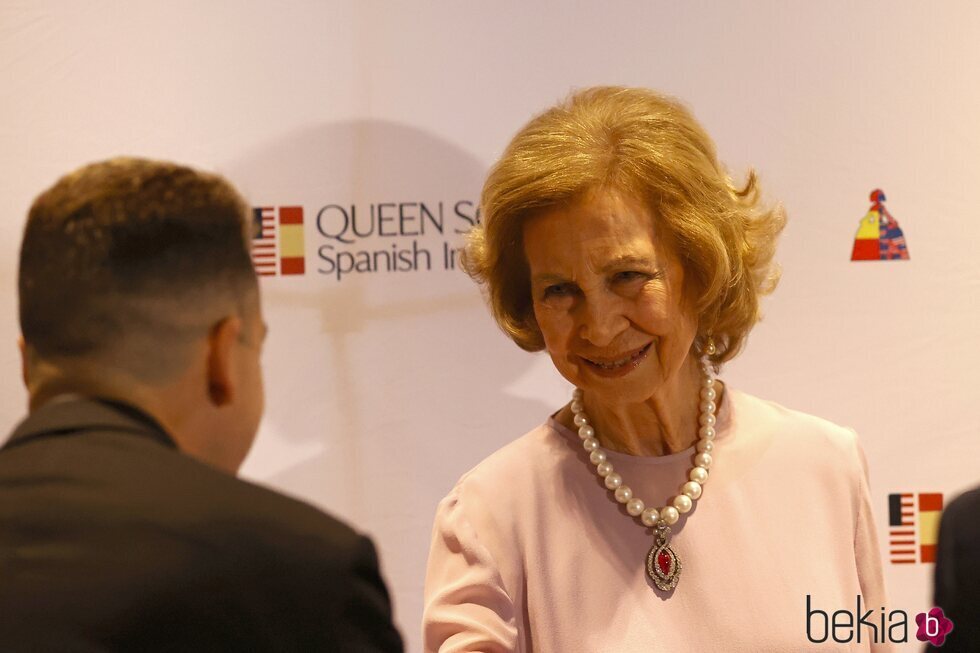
(663, 561)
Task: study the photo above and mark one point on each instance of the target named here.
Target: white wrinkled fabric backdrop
(383, 388)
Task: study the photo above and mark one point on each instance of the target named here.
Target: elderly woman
(660, 510)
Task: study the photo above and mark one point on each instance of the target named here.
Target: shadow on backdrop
(399, 375)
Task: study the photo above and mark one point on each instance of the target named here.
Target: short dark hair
(132, 250)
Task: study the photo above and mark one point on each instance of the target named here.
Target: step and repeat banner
(361, 133)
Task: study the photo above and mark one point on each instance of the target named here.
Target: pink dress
(530, 552)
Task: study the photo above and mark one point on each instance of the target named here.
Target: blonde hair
(649, 147)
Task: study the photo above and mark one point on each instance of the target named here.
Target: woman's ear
(221, 378)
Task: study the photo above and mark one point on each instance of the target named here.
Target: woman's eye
(557, 290)
(630, 275)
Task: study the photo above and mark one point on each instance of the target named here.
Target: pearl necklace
(663, 564)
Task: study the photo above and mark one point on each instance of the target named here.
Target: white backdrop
(383, 388)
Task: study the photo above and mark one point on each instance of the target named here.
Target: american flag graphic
(891, 243)
(913, 526)
(264, 255)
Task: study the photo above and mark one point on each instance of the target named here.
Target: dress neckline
(722, 430)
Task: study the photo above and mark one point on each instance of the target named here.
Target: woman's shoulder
(520, 463)
(826, 459)
(507, 493)
(808, 434)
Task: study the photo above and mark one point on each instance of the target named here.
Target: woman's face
(609, 298)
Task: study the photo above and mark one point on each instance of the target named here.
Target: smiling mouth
(622, 364)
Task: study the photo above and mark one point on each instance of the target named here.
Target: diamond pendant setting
(663, 564)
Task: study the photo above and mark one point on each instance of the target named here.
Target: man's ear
(24, 365)
(221, 360)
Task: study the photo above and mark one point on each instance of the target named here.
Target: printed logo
(877, 626)
(933, 627)
(843, 626)
(383, 237)
(913, 526)
(278, 244)
(879, 238)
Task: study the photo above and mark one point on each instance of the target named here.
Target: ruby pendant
(663, 564)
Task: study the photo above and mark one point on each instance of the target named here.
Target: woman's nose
(601, 319)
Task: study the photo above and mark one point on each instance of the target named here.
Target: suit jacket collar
(75, 413)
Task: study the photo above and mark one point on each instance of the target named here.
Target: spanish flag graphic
(292, 254)
(913, 526)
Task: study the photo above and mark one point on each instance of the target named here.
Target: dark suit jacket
(958, 573)
(112, 540)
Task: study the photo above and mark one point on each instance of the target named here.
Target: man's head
(136, 284)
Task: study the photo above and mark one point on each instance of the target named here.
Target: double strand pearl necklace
(663, 564)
